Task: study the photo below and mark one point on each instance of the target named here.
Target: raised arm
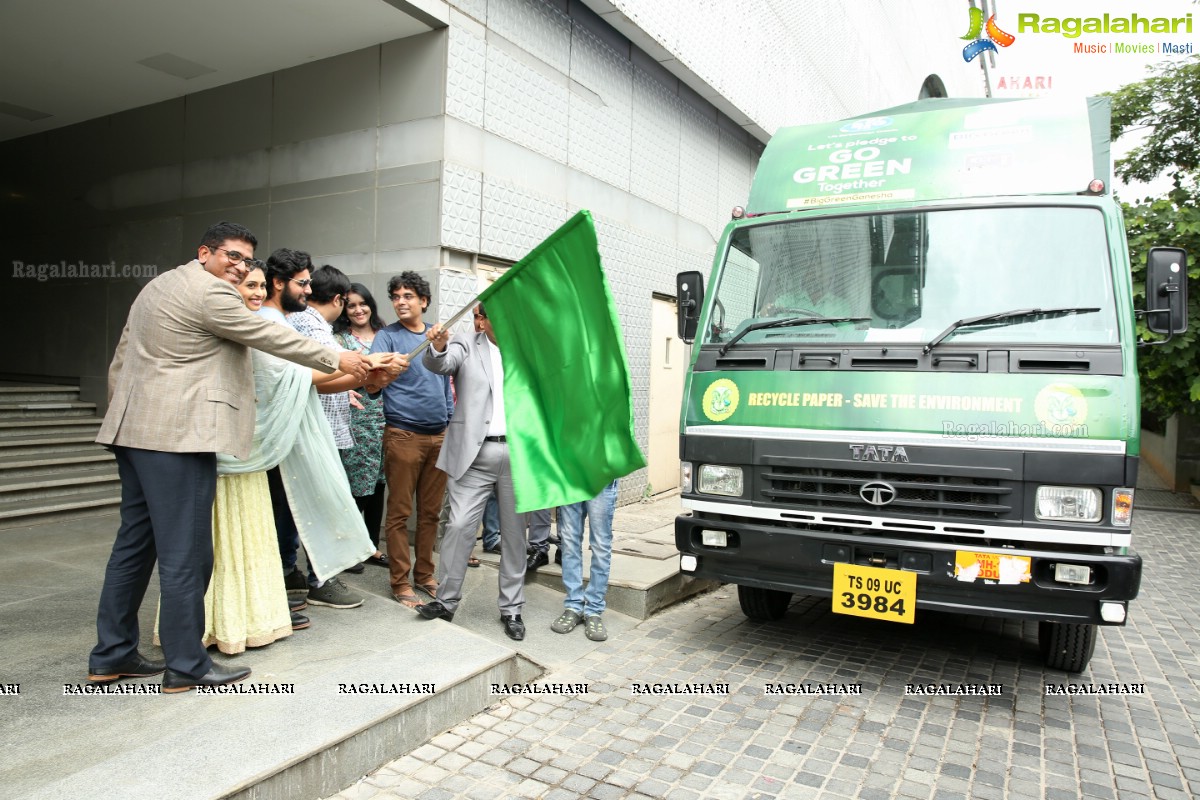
(444, 355)
(225, 315)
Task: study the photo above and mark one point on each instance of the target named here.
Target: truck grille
(927, 495)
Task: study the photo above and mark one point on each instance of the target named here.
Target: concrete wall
(340, 157)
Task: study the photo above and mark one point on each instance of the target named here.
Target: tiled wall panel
(516, 218)
(462, 201)
(654, 165)
(465, 77)
(524, 104)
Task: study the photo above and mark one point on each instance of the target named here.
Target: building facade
(455, 150)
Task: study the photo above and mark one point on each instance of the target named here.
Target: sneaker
(566, 622)
(593, 628)
(295, 582)
(334, 594)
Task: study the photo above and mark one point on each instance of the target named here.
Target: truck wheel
(763, 604)
(1067, 646)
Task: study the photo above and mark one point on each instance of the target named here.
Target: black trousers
(371, 506)
(166, 515)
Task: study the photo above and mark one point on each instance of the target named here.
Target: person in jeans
(586, 605)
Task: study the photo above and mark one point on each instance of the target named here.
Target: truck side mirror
(689, 289)
(1166, 290)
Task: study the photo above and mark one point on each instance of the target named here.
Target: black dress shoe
(514, 626)
(137, 667)
(356, 569)
(494, 549)
(538, 558)
(217, 676)
(300, 622)
(435, 610)
(558, 556)
(378, 561)
(297, 604)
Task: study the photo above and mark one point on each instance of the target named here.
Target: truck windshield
(914, 274)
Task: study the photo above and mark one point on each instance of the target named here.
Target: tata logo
(877, 493)
(878, 452)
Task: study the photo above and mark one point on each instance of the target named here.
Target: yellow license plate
(970, 566)
(874, 592)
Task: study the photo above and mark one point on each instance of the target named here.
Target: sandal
(473, 562)
(429, 589)
(407, 600)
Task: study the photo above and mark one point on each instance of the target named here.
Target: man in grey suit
(475, 456)
(181, 389)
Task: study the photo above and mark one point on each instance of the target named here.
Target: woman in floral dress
(355, 330)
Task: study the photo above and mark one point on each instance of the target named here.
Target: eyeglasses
(301, 282)
(237, 258)
(409, 296)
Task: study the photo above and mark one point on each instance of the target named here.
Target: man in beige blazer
(181, 389)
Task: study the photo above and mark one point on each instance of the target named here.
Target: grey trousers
(467, 497)
(539, 530)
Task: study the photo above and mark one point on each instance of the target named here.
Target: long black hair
(342, 323)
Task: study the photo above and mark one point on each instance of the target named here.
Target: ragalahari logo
(980, 42)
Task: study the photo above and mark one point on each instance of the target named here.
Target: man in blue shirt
(417, 408)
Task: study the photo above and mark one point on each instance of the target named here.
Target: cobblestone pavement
(610, 743)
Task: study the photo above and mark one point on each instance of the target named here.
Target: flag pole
(459, 315)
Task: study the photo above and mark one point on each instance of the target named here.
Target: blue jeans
(599, 511)
(491, 523)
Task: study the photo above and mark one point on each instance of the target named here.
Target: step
(65, 426)
(38, 394)
(38, 510)
(638, 586)
(10, 411)
(45, 443)
(24, 466)
(61, 485)
(312, 742)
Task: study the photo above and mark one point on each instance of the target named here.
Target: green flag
(568, 410)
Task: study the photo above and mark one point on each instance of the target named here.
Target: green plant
(1170, 372)
(1165, 109)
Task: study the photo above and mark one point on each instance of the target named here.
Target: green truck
(913, 384)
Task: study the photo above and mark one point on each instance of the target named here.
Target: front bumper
(801, 562)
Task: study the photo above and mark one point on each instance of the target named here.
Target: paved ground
(879, 744)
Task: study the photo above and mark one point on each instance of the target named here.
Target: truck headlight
(685, 477)
(717, 479)
(1068, 503)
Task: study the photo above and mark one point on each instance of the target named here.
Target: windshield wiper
(790, 321)
(998, 318)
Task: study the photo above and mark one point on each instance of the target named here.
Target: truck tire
(763, 604)
(1067, 646)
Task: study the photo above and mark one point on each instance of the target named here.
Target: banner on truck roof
(993, 149)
